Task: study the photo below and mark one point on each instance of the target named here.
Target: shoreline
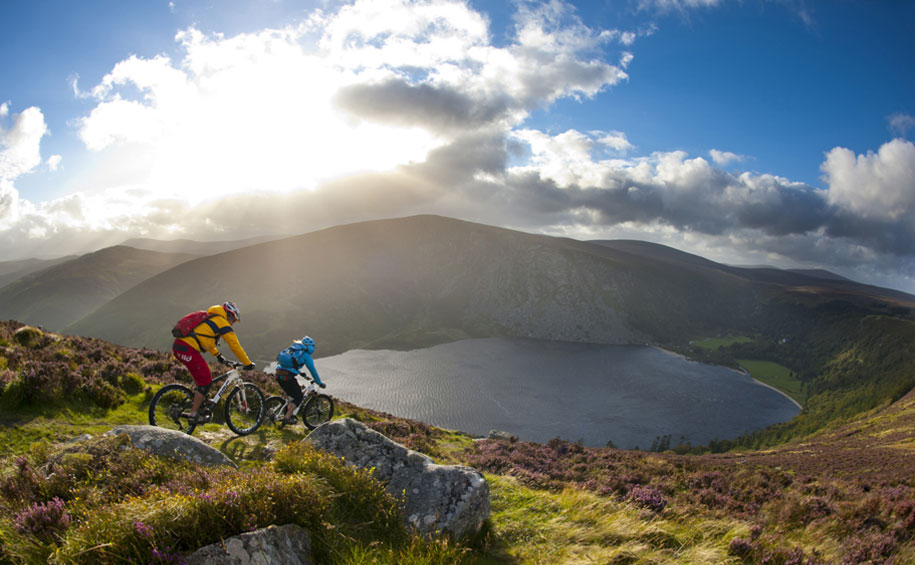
(740, 370)
(781, 392)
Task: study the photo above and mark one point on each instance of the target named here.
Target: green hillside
(843, 495)
(56, 296)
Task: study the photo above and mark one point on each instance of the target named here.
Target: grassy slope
(844, 493)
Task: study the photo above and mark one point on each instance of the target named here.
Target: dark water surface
(539, 390)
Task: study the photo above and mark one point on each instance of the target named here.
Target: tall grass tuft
(355, 491)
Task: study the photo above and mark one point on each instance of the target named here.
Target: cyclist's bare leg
(195, 405)
(290, 408)
(198, 401)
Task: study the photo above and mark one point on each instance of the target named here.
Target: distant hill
(417, 281)
(195, 247)
(56, 296)
(12, 270)
(815, 281)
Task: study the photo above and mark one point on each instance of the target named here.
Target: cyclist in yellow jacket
(205, 337)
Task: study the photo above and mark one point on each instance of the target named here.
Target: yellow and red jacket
(206, 336)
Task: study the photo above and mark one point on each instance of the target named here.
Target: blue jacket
(300, 358)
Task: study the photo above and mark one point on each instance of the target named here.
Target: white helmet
(232, 309)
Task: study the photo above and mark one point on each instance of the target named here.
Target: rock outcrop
(500, 435)
(174, 444)
(289, 545)
(436, 498)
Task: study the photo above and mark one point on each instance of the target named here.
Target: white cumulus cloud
(20, 145)
(877, 185)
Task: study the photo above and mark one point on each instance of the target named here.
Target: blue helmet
(309, 344)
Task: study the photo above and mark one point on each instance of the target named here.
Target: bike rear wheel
(317, 410)
(274, 411)
(169, 407)
(244, 409)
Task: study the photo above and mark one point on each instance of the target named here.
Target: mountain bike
(243, 409)
(316, 408)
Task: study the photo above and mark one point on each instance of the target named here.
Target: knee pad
(205, 389)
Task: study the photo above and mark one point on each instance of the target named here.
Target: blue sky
(750, 132)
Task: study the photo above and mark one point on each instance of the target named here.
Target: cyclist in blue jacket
(290, 362)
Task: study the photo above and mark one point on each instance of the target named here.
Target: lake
(539, 390)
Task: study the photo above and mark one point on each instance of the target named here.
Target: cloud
(876, 186)
(54, 161)
(20, 153)
(900, 123)
(385, 85)
(441, 109)
(391, 108)
(676, 5)
(666, 188)
(616, 140)
(724, 157)
(431, 64)
(20, 144)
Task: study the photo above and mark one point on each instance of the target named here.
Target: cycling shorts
(290, 385)
(194, 362)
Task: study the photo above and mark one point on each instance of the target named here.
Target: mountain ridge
(432, 275)
(421, 280)
(58, 295)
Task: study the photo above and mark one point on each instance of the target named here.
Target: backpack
(185, 326)
(288, 357)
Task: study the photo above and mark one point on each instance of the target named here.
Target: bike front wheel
(318, 410)
(169, 408)
(245, 409)
(274, 411)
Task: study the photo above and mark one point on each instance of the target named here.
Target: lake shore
(538, 390)
(781, 392)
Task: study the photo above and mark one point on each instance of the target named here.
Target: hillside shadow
(489, 547)
(259, 445)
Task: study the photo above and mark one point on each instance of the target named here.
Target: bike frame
(232, 379)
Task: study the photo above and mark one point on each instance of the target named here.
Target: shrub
(648, 497)
(157, 527)
(132, 383)
(741, 547)
(41, 382)
(6, 377)
(103, 394)
(20, 482)
(45, 521)
(28, 336)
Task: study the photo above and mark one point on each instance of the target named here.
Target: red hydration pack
(185, 326)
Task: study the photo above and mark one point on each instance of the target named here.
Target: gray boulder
(435, 498)
(289, 545)
(174, 444)
(500, 435)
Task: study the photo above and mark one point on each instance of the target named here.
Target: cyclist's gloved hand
(249, 367)
(221, 359)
